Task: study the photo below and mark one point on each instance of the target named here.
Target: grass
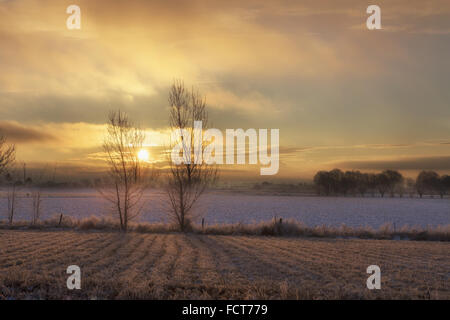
(196, 266)
(290, 228)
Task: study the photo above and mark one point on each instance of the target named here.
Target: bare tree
(12, 202)
(14, 184)
(188, 180)
(37, 202)
(37, 180)
(7, 154)
(7, 157)
(127, 173)
(17, 179)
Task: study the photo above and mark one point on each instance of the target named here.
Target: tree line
(392, 182)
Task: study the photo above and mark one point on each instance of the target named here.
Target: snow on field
(234, 208)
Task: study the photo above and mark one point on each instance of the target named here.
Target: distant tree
(420, 183)
(410, 186)
(322, 181)
(445, 180)
(338, 182)
(382, 183)
(349, 182)
(362, 182)
(372, 180)
(400, 188)
(336, 177)
(427, 181)
(395, 178)
(443, 185)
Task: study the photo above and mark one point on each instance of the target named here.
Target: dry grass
(294, 228)
(290, 228)
(193, 266)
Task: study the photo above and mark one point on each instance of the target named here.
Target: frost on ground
(176, 266)
(248, 209)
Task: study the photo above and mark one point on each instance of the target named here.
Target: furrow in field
(142, 282)
(309, 252)
(16, 241)
(355, 256)
(86, 258)
(76, 251)
(282, 269)
(154, 253)
(319, 250)
(341, 255)
(106, 263)
(345, 251)
(351, 262)
(298, 259)
(251, 264)
(386, 255)
(206, 264)
(20, 246)
(64, 247)
(43, 251)
(134, 271)
(225, 262)
(55, 265)
(162, 271)
(417, 252)
(185, 266)
(120, 266)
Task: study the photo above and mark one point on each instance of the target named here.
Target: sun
(143, 155)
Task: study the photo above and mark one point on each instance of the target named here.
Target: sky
(340, 94)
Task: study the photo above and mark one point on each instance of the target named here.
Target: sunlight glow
(143, 155)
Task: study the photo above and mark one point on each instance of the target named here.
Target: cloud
(16, 132)
(65, 142)
(413, 163)
(249, 102)
(300, 66)
(284, 150)
(143, 49)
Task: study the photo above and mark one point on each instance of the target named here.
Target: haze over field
(225, 208)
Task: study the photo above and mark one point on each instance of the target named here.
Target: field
(226, 208)
(177, 266)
